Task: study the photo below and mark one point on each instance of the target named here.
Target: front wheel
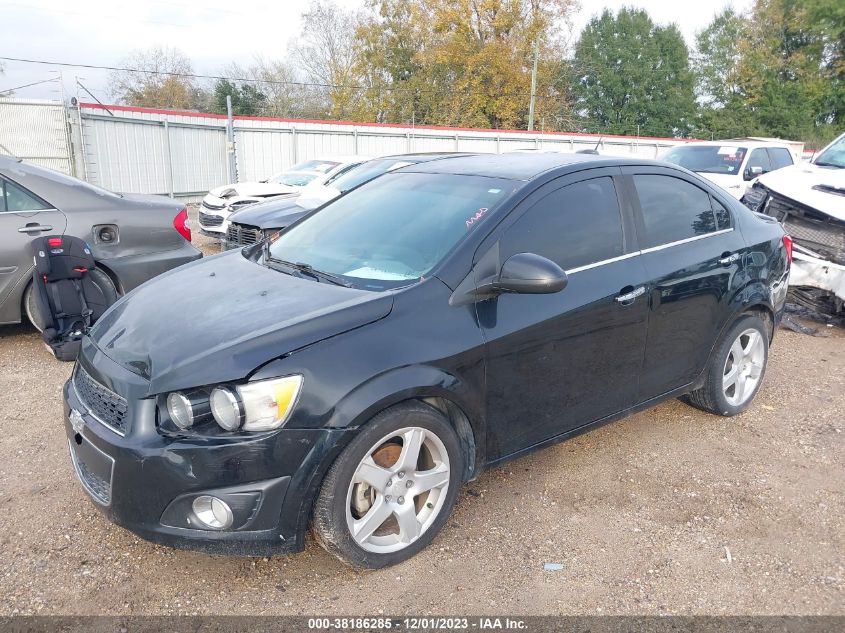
(736, 369)
(391, 490)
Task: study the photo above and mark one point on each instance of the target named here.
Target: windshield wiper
(309, 270)
(826, 164)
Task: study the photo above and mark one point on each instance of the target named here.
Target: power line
(299, 84)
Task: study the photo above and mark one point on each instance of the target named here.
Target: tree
(723, 112)
(461, 62)
(632, 76)
(157, 78)
(326, 50)
(247, 98)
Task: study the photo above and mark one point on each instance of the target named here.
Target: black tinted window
(673, 209)
(576, 225)
(723, 216)
(18, 199)
(780, 157)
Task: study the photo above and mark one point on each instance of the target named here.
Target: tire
(100, 279)
(736, 369)
(401, 521)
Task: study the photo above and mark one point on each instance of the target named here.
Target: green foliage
(247, 99)
(633, 76)
(779, 71)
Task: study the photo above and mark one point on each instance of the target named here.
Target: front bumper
(146, 482)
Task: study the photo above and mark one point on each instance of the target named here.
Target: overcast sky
(211, 32)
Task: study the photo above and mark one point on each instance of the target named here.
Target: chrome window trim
(652, 249)
(695, 238)
(602, 263)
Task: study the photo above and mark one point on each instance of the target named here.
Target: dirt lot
(668, 511)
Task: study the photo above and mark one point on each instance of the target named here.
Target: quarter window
(16, 199)
(673, 209)
(573, 226)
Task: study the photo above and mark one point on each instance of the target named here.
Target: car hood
(272, 214)
(249, 189)
(220, 318)
(797, 182)
(729, 183)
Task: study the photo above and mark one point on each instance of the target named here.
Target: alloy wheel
(743, 367)
(398, 490)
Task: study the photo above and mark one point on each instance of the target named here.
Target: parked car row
(439, 315)
(221, 202)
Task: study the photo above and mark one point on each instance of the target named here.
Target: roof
(744, 142)
(518, 166)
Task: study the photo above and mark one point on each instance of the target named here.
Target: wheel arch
(428, 385)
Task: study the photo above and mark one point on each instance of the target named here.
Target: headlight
(180, 409)
(255, 406)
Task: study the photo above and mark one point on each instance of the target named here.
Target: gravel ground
(670, 511)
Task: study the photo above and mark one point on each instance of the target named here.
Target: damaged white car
(809, 200)
(221, 202)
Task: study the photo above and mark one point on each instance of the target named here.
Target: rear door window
(780, 157)
(672, 209)
(17, 199)
(573, 226)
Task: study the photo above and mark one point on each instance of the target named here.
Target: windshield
(708, 159)
(294, 178)
(302, 173)
(833, 156)
(367, 171)
(393, 230)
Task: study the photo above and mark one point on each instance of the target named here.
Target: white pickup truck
(809, 200)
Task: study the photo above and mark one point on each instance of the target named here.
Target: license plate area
(93, 467)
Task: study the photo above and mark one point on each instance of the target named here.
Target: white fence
(184, 154)
(36, 130)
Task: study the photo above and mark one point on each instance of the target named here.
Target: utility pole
(533, 87)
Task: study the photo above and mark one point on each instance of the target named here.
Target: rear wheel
(391, 490)
(736, 370)
(100, 279)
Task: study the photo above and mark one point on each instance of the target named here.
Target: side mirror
(528, 273)
(752, 172)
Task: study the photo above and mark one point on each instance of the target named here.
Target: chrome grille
(242, 235)
(213, 207)
(210, 220)
(105, 405)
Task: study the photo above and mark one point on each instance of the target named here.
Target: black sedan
(439, 320)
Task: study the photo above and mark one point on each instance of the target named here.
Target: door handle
(630, 296)
(35, 228)
(729, 258)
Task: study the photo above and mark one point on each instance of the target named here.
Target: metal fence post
(231, 162)
(355, 140)
(294, 149)
(168, 164)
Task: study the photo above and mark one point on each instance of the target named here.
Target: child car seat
(67, 298)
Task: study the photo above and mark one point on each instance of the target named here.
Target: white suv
(731, 164)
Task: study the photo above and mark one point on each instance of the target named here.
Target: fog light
(213, 512)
